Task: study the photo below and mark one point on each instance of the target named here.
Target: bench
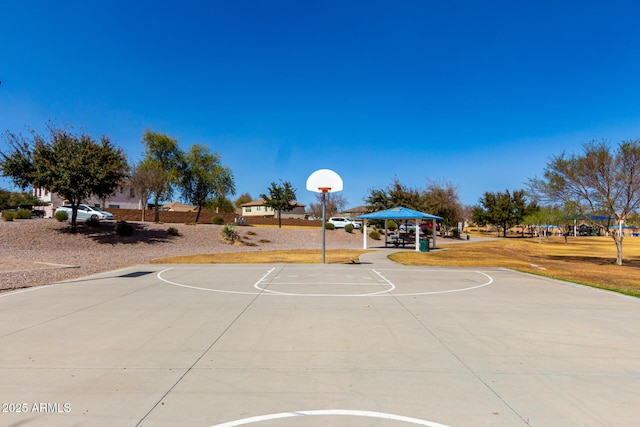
(403, 239)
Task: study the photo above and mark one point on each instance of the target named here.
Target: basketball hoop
(324, 181)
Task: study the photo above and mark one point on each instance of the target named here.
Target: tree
(547, 216)
(204, 180)
(378, 200)
(599, 181)
(74, 167)
(334, 203)
(221, 205)
(143, 178)
(438, 198)
(13, 200)
(280, 198)
(242, 199)
(113, 170)
(396, 194)
(442, 199)
(504, 210)
(163, 155)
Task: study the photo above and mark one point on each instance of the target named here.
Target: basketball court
(374, 344)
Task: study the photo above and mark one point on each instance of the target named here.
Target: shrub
(229, 234)
(8, 215)
(61, 216)
(374, 235)
(391, 225)
(172, 231)
(23, 214)
(329, 226)
(123, 228)
(348, 228)
(217, 220)
(93, 222)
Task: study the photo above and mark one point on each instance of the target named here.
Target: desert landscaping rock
(40, 251)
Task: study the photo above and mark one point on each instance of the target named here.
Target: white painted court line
(261, 289)
(159, 275)
(341, 412)
(448, 291)
(274, 292)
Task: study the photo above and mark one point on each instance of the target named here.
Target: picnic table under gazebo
(398, 214)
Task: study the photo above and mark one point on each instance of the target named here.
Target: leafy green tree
(396, 194)
(71, 166)
(547, 216)
(504, 210)
(113, 170)
(599, 180)
(164, 157)
(437, 198)
(221, 205)
(378, 200)
(204, 179)
(280, 198)
(13, 200)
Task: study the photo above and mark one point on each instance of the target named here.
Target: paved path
(318, 345)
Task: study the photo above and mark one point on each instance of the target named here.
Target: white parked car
(86, 212)
(340, 222)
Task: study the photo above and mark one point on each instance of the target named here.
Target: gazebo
(401, 214)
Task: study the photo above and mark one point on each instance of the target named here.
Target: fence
(205, 218)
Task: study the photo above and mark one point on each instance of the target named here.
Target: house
(357, 211)
(123, 197)
(52, 201)
(178, 207)
(257, 208)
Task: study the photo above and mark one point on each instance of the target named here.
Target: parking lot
(316, 345)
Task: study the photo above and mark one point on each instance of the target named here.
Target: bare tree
(334, 203)
(598, 182)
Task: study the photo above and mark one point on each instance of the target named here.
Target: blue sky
(478, 94)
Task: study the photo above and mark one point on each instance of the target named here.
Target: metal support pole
(324, 196)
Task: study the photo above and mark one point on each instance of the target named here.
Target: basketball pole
(324, 198)
(324, 181)
(324, 191)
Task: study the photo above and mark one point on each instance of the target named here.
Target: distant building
(257, 208)
(51, 199)
(123, 197)
(354, 212)
(178, 207)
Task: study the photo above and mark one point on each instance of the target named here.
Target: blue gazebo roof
(398, 213)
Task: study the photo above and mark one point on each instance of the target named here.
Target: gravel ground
(41, 251)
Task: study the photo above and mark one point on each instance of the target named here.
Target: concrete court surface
(375, 344)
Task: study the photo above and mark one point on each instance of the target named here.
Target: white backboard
(323, 181)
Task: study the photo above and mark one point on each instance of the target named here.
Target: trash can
(424, 245)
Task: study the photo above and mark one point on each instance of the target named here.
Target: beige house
(257, 208)
(123, 197)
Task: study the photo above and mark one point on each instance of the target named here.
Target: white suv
(340, 222)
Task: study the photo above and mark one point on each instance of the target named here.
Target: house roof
(399, 212)
(358, 209)
(178, 207)
(260, 202)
